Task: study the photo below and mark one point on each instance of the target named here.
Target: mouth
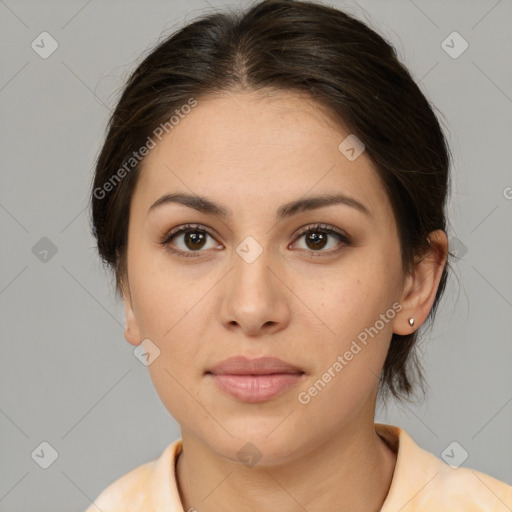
(254, 380)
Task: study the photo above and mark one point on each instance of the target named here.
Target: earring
(411, 321)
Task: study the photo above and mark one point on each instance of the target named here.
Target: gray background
(69, 378)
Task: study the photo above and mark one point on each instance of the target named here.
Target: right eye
(188, 239)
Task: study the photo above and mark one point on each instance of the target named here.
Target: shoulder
(423, 482)
(145, 488)
(128, 491)
(472, 489)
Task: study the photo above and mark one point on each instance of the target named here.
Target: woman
(271, 198)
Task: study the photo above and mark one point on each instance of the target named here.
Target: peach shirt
(421, 483)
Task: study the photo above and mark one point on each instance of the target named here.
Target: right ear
(131, 327)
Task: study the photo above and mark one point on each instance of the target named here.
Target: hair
(345, 67)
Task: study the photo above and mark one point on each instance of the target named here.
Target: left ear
(421, 285)
(132, 332)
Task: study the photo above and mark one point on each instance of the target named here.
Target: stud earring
(411, 321)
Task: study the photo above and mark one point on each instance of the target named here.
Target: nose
(256, 297)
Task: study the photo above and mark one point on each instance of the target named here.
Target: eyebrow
(205, 205)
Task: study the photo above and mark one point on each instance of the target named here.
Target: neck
(351, 470)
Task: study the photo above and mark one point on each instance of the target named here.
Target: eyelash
(316, 228)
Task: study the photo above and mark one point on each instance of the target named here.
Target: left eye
(317, 238)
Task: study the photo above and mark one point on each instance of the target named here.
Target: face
(302, 283)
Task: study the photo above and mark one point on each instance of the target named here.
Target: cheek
(168, 312)
(174, 325)
(347, 365)
(354, 311)
(349, 302)
(163, 298)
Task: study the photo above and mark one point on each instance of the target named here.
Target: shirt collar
(415, 468)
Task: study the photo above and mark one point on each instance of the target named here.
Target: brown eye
(315, 240)
(188, 239)
(194, 240)
(318, 237)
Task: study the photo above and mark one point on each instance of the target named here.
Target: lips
(260, 366)
(254, 380)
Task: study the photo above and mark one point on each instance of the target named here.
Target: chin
(256, 442)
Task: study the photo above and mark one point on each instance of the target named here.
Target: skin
(252, 153)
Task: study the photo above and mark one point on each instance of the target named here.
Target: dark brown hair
(297, 46)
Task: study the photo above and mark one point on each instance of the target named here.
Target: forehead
(267, 149)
